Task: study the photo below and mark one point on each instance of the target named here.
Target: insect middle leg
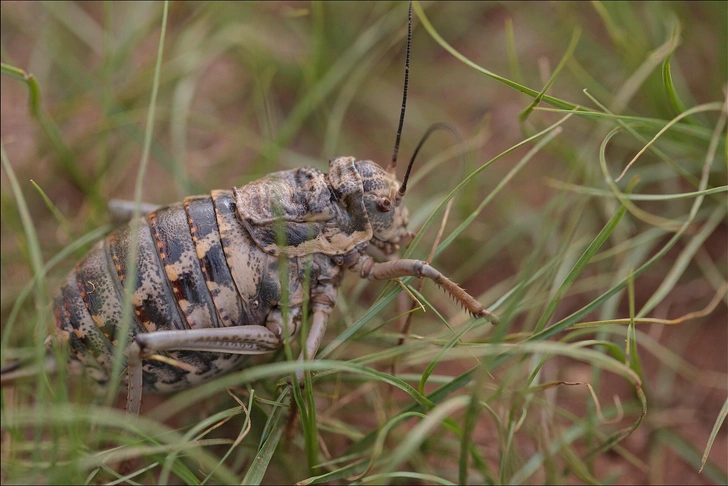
(323, 298)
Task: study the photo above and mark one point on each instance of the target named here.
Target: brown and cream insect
(208, 289)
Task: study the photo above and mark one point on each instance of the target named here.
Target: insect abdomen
(185, 256)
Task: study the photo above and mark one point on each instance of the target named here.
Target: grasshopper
(208, 290)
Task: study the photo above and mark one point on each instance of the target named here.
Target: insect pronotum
(208, 290)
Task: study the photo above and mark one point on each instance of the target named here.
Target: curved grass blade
(68, 160)
(714, 433)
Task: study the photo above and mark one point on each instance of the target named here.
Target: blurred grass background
(248, 88)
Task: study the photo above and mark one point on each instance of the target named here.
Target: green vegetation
(589, 213)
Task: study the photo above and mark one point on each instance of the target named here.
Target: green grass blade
(36, 260)
(671, 91)
(131, 277)
(714, 433)
(523, 89)
(578, 267)
(67, 158)
(688, 453)
(39, 278)
(564, 59)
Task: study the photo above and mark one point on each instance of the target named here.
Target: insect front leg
(366, 267)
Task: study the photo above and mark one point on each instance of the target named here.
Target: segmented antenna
(393, 163)
(433, 128)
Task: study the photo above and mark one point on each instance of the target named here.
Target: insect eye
(384, 205)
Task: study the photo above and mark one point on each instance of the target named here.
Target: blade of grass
(421, 478)
(259, 466)
(105, 417)
(270, 371)
(523, 89)
(578, 267)
(683, 260)
(549, 136)
(36, 264)
(133, 255)
(333, 77)
(421, 432)
(513, 63)
(596, 192)
(691, 111)
(629, 88)
(62, 221)
(688, 453)
(40, 277)
(523, 116)
(672, 96)
(67, 159)
(714, 433)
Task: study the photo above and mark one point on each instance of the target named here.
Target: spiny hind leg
(235, 340)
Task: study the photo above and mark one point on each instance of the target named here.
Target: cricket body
(208, 289)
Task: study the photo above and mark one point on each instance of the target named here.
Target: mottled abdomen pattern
(197, 267)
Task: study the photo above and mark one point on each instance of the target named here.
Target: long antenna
(393, 163)
(433, 128)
